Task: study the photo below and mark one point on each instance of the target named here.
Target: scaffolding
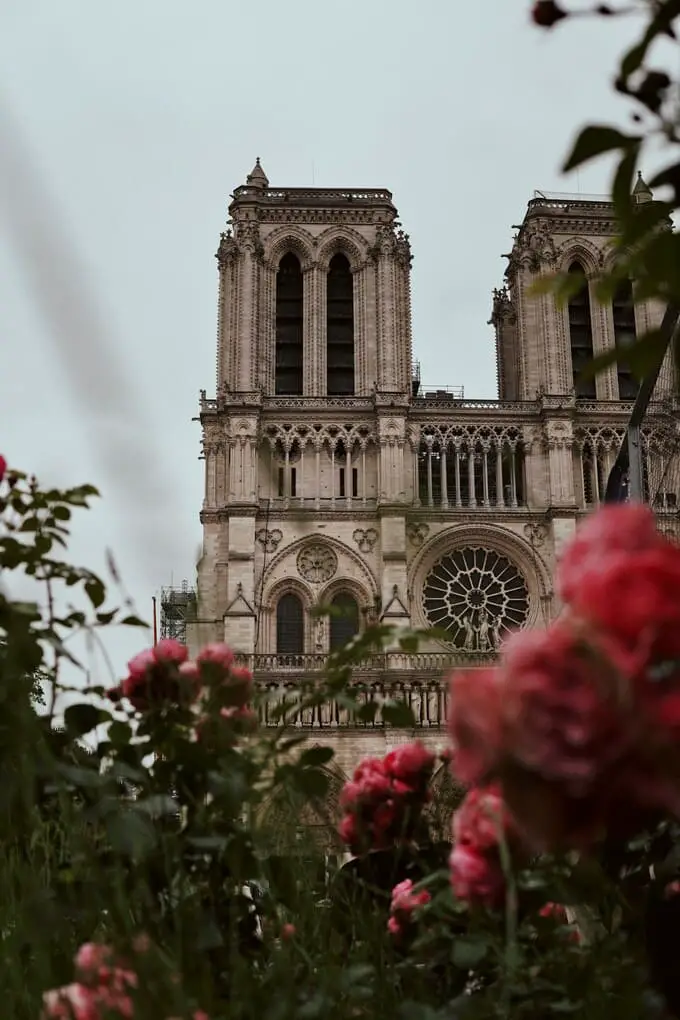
(178, 606)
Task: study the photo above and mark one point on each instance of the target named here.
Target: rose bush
(135, 815)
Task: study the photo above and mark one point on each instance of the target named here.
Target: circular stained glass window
(476, 595)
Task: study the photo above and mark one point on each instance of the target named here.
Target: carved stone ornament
(534, 247)
(536, 533)
(228, 249)
(417, 533)
(317, 563)
(365, 539)
(269, 540)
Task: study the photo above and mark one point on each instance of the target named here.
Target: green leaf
(595, 140)
(639, 357)
(622, 187)
(316, 756)
(85, 778)
(409, 643)
(121, 770)
(467, 953)
(61, 513)
(207, 842)
(670, 175)
(311, 782)
(367, 712)
(563, 1006)
(207, 935)
(106, 618)
(95, 591)
(83, 718)
(633, 59)
(119, 732)
(646, 219)
(133, 621)
(397, 713)
(130, 833)
(158, 805)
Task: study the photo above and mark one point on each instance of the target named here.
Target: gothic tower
(333, 479)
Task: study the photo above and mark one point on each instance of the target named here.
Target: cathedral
(334, 479)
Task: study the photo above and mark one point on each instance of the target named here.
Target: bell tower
(542, 348)
(305, 443)
(314, 295)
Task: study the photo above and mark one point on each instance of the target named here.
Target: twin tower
(333, 477)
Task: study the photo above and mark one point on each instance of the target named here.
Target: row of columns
(300, 498)
(458, 467)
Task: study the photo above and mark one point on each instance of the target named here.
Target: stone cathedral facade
(332, 477)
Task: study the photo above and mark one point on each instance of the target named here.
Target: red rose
(411, 764)
(3, 467)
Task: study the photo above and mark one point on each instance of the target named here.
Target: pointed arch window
(623, 310)
(344, 620)
(288, 371)
(581, 335)
(290, 625)
(339, 328)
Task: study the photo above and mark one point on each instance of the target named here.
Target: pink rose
(3, 467)
(614, 529)
(405, 902)
(141, 664)
(217, 654)
(561, 705)
(71, 1002)
(411, 764)
(90, 958)
(347, 831)
(475, 878)
(474, 720)
(482, 818)
(170, 651)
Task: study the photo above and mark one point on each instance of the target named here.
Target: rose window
(317, 563)
(476, 596)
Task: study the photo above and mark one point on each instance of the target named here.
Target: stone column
(560, 440)
(314, 331)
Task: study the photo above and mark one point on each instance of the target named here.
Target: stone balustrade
(417, 679)
(427, 699)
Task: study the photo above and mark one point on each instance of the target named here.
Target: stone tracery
(476, 595)
(317, 562)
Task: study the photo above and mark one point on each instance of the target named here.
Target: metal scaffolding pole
(625, 480)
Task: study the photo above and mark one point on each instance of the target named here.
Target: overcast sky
(126, 125)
